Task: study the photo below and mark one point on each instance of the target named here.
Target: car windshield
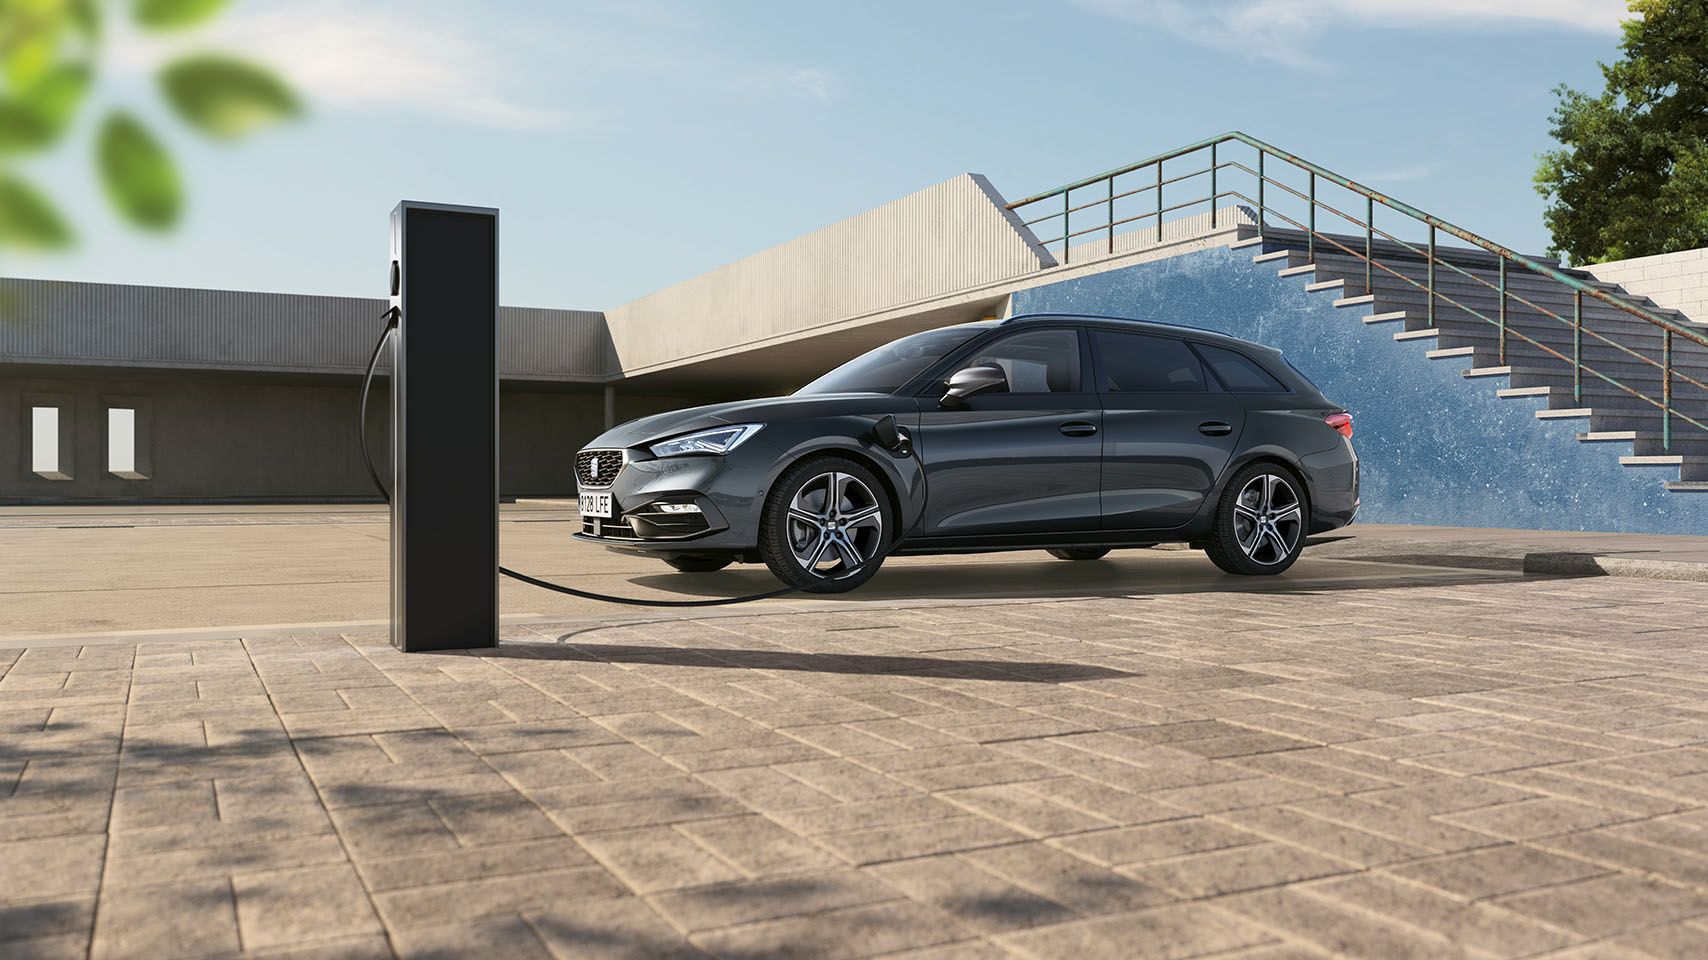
(887, 368)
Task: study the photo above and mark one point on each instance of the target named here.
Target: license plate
(594, 505)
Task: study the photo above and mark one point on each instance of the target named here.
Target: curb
(1591, 565)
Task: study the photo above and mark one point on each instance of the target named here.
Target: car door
(1168, 429)
(1021, 458)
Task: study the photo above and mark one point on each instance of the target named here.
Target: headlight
(717, 440)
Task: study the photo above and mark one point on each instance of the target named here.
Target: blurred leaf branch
(50, 60)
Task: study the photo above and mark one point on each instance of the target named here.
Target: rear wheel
(699, 564)
(1077, 553)
(825, 520)
(1260, 522)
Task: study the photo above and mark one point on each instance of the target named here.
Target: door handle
(1079, 428)
(1215, 428)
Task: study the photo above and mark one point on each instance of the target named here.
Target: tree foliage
(1631, 176)
(49, 65)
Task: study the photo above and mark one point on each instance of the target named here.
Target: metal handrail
(1578, 364)
(1429, 289)
(1431, 256)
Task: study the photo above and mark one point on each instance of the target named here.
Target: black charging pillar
(444, 505)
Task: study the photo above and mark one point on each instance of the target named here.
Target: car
(1072, 434)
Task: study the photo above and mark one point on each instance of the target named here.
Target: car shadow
(1029, 576)
(1005, 671)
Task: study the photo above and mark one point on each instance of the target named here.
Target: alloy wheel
(1268, 519)
(836, 523)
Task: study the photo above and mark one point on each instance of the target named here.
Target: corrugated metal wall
(97, 324)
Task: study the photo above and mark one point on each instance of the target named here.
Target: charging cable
(391, 318)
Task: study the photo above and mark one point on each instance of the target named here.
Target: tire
(1260, 521)
(1077, 553)
(799, 512)
(699, 564)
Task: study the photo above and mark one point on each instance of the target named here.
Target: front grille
(597, 468)
(617, 529)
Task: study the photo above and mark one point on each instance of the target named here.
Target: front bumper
(727, 497)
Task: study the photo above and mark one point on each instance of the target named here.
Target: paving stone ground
(1484, 768)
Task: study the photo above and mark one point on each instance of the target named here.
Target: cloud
(1402, 174)
(767, 82)
(812, 81)
(1281, 30)
(343, 54)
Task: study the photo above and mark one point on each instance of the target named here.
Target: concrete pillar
(610, 406)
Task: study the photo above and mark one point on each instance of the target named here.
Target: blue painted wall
(1435, 448)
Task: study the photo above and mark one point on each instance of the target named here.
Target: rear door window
(1141, 363)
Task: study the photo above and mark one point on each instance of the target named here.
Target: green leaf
(27, 219)
(139, 176)
(175, 14)
(56, 96)
(86, 16)
(28, 57)
(21, 128)
(224, 97)
(40, 114)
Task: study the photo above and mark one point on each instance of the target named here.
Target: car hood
(660, 426)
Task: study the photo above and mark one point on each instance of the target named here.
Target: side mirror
(971, 380)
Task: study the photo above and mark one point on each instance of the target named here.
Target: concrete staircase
(1606, 415)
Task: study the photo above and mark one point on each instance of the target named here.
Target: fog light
(678, 508)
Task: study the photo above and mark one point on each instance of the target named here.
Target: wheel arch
(1279, 456)
(893, 474)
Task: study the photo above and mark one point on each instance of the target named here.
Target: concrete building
(140, 394)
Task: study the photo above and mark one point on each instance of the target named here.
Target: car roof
(1132, 325)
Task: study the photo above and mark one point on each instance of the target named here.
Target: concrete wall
(942, 239)
(1678, 281)
(205, 439)
(1435, 448)
(1186, 233)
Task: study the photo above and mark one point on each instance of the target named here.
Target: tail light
(1341, 422)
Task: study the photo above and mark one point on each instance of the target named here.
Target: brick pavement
(1479, 767)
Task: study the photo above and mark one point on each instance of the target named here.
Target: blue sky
(633, 144)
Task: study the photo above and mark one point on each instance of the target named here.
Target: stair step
(1540, 294)
(1559, 314)
(1466, 329)
(1272, 255)
(1247, 242)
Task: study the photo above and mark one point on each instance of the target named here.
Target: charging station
(443, 330)
(444, 482)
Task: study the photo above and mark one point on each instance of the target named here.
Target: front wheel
(826, 525)
(1260, 522)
